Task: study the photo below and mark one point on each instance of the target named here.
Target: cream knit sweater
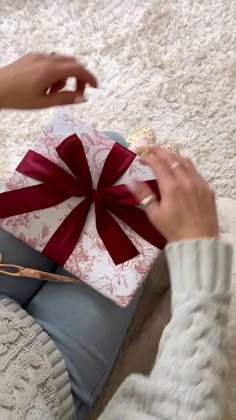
(34, 383)
(187, 381)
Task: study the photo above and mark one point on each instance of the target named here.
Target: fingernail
(142, 159)
(79, 100)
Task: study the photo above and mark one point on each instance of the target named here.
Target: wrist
(201, 264)
(192, 234)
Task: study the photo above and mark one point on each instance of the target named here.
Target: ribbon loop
(117, 162)
(71, 151)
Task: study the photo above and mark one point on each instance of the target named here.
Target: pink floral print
(89, 261)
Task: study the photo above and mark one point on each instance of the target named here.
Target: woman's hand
(187, 208)
(35, 81)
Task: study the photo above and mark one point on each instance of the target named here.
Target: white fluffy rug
(166, 64)
(169, 65)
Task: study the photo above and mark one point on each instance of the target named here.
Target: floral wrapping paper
(89, 261)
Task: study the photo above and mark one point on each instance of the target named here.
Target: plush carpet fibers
(169, 65)
(166, 64)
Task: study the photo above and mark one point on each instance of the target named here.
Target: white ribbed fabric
(187, 381)
(34, 383)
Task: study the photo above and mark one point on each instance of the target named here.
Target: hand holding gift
(187, 209)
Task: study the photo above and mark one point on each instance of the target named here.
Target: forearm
(3, 88)
(188, 378)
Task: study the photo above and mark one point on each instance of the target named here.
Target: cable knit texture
(34, 383)
(164, 64)
(187, 381)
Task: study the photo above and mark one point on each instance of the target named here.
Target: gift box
(68, 200)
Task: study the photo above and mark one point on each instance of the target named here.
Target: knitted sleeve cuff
(200, 264)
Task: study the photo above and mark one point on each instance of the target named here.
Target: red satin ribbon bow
(58, 185)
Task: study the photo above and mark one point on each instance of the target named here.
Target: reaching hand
(187, 208)
(35, 81)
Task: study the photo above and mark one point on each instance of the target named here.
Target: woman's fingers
(42, 77)
(160, 168)
(60, 98)
(65, 67)
(80, 86)
(185, 164)
(57, 86)
(80, 82)
(169, 168)
(62, 71)
(60, 58)
(187, 208)
(60, 84)
(142, 191)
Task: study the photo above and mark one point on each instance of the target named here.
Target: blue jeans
(86, 327)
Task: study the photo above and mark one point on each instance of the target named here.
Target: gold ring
(147, 200)
(174, 166)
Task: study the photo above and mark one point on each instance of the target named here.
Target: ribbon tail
(138, 221)
(65, 238)
(117, 243)
(25, 200)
